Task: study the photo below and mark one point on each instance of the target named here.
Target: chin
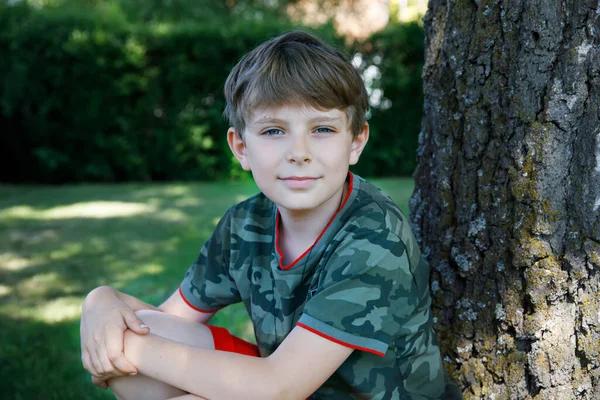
(297, 206)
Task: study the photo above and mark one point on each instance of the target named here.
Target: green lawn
(59, 242)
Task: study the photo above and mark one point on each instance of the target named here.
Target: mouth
(299, 182)
(298, 178)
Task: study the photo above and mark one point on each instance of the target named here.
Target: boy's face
(299, 156)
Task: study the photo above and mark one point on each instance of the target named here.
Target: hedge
(88, 96)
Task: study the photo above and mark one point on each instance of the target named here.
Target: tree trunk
(507, 199)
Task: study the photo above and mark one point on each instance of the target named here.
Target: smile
(299, 182)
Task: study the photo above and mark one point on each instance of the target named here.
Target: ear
(358, 144)
(238, 148)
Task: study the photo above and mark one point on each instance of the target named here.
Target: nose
(299, 151)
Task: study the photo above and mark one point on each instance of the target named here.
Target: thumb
(134, 323)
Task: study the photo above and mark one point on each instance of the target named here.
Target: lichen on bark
(507, 198)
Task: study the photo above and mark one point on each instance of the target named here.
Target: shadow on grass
(57, 234)
(56, 244)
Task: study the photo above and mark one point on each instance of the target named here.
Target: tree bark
(507, 199)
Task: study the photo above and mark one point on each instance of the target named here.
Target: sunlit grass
(91, 209)
(58, 243)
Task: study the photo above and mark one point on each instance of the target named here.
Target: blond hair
(295, 68)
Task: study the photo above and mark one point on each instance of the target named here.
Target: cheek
(336, 155)
(264, 156)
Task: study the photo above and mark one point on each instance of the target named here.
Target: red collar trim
(277, 219)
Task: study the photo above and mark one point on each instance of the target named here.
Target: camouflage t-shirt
(363, 284)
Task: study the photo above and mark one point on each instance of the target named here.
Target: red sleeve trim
(316, 332)
(286, 267)
(193, 306)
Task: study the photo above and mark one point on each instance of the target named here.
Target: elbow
(282, 384)
(278, 393)
(285, 391)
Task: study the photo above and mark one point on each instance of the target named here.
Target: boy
(324, 262)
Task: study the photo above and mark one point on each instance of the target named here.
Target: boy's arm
(176, 305)
(300, 365)
(106, 314)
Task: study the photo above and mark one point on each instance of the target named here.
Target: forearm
(208, 373)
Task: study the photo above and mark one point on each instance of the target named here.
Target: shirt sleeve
(208, 285)
(367, 293)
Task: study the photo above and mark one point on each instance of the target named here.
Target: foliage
(396, 56)
(101, 93)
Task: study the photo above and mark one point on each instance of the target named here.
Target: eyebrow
(326, 119)
(266, 120)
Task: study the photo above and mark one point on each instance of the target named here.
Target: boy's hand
(102, 383)
(105, 316)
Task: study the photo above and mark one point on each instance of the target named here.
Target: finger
(134, 323)
(109, 369)
(87, 362)
(100, 382)
(95, 358)
(114, 351)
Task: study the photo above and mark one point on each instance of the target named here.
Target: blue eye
(323, 129)
(272, 132)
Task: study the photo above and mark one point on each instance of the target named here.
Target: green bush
(396, 54)
(87, 95)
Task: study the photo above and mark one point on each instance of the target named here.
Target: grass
(59, 242)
